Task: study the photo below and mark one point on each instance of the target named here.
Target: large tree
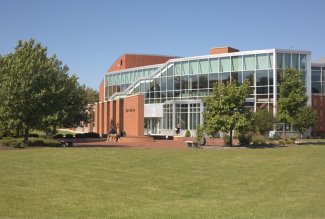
(225, 108)
(92, 96)
(36, 91)
(292, 97)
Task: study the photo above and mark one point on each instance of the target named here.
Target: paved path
(146, 144)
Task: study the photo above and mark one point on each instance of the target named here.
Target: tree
(263, 121)
(36, 91)
(305, 118)
(92, 96)
(225, 108)
(292, 97)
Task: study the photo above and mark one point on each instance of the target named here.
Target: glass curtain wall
(194, 79)
(318, 80)
(187, 115)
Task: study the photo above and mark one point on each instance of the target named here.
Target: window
(262, 61)
(177, 69)
(262, 78)
(237, 63)
(279, 60)
(249, 62)
(287, 60)
(225, 64)
(295, 61)
(185, 68)
(303, 61)
(214, 65)
(204, 66)
(193, 67)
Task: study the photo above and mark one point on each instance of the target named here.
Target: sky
(89, 35)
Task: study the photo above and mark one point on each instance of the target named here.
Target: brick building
(151, 94)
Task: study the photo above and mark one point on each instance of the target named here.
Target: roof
(319, 61)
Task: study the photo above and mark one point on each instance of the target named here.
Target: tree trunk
(54, 130)
(26, 134)
(17, 132)
(285, 133)
(230, 138)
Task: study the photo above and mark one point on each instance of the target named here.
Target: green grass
(163, 183)
(62, 132)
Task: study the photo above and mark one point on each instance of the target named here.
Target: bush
(87, 135)
(226, 139)
(92, 135)
(245, 139)
(69, 136)
(79, 135)
(258, 140)
(19, 142)
(58, 136)
(187, 133)
(34, 135)
(199, 133)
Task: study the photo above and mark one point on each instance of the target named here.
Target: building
(150, 94)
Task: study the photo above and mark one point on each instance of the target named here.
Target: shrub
(244, 139)
(92, 135)
(226, 139)
(87, 135)
(79, 135)
(293, 139)
(34, 135)
(187, 133)
(69, 136)
(258, 140)
(19, 142)
(290, 141)
(58, 136)
(199, 133)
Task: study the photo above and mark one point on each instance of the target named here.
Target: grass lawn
(163, 183)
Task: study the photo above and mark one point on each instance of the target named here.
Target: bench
(66, 142)
(191, 144)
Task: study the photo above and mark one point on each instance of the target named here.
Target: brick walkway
(146, 144)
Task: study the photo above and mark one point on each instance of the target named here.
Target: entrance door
(151, 126)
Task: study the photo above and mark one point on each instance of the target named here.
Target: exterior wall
(318, 103)
(119, 115)
(106, 118)
(101, 91)
(133, 60)
(122, 114)
(222, 50)
(134, 115)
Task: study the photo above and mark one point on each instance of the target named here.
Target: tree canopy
(292, 97)
(92, 96)
(263, 121)
(36, 91)
(225, 108)
(304, 119)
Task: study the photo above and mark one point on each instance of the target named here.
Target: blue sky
(89, 36)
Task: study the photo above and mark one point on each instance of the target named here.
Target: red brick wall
(222, 50)
(101, 91)
(134, 115)
(134, 60)
(106, 118)
(318, 103)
